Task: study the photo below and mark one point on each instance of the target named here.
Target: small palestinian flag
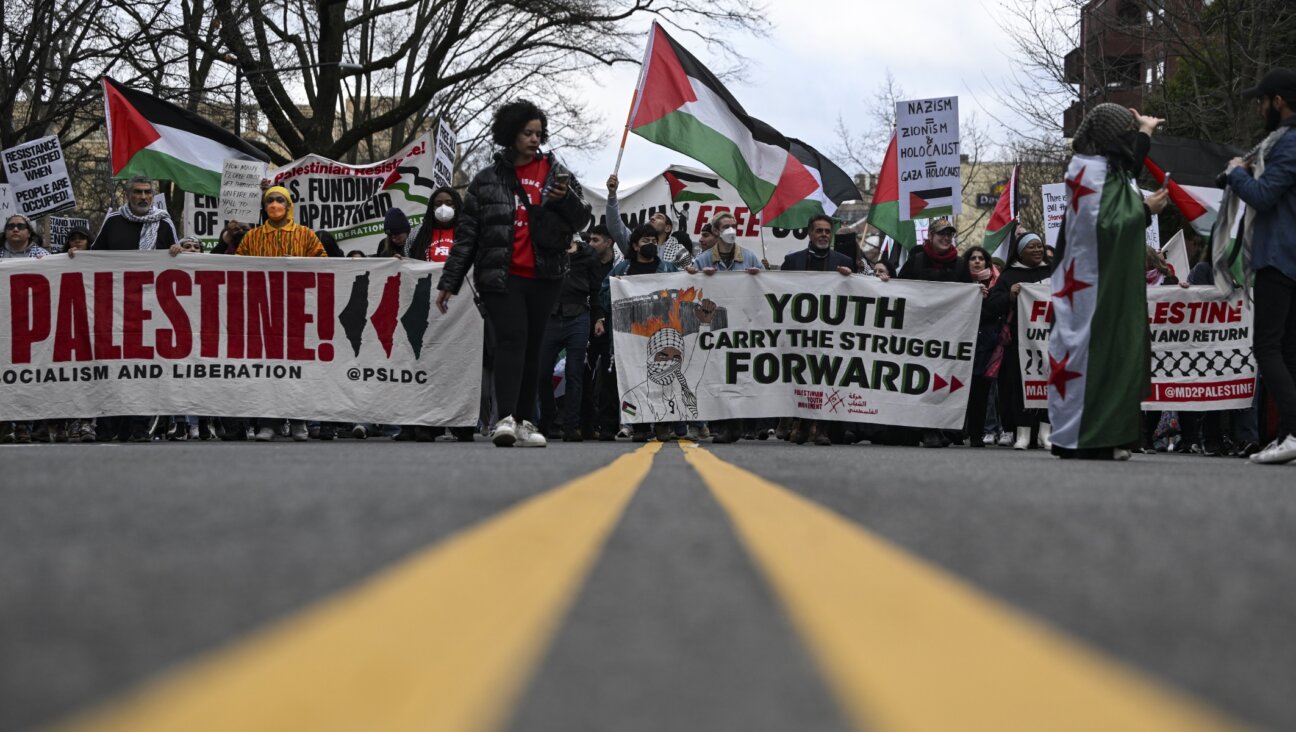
(884, 213)
(681, 105)
(691, 187)
(1199, 205)
(931, 203)
(152, 137)
(1098, 349)
(834, 189)
(1003, 221)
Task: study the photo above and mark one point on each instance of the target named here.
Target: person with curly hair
(518, 216)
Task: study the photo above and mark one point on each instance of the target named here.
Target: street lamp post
(344, 66)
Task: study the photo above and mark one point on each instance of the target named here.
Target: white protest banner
(346, 340)
(927, 143)
(793, 344)
(1201, 348)
(444, 162)
(349, 201)
(240, 191)
(59, 226)
(1054, 198)
(692, 197)
(38, 177)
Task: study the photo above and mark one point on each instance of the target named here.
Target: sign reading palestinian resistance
(240, 191)
(1201, 348)
(59, 226)
(352, 340)
(692, 197)
(793, 344)
(38, 177)
(349, 201)
(927, 144)
(1054, 196)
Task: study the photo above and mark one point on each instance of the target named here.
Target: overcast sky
(828, 57)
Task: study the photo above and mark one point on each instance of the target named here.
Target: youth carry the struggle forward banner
(354, 340)
(793, 344)
(1201, 348)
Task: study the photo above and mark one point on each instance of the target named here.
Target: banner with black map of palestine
(343, 340)
(793, 344)
(1201, 357)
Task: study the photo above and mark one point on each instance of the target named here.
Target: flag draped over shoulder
(1003, 221)
(1098, 349)
(884, 212)
(681, 105)
(151, 137)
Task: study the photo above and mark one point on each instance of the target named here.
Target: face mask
(648, 251)
(276, 211)
(443, 213)
(728, 235)
(661, 372)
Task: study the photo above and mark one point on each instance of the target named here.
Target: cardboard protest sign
(780, 344)
(353, 340)
(1054, 198)
(1201, 348)
(927, 145)
(59, 226)
(443, 166)
(38, 179)
(240, 192)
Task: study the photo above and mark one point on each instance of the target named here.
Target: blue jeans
(570, 335)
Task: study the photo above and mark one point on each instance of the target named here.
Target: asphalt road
(119, 563)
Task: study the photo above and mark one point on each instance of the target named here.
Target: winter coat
(484, 234)
(800, 261)
(1000, 303)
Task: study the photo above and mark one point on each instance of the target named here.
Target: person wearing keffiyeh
(137, 225)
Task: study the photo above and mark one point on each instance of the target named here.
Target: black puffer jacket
(484, 235)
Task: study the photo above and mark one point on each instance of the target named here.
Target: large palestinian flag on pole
(1098, 350)
(151, 137)
(1003, 221)
(681, 105)
(884, 212)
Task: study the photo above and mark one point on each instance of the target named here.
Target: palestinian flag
(691, 187)
(1100, 335)
(884, 213)
(834, 188)
(681, 105)
(1198, 204)
(152, 137)
(1003, 221)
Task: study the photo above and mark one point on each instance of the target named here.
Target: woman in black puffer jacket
(517, 277)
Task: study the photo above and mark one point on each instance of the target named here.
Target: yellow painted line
(445, 640)
(907, 646)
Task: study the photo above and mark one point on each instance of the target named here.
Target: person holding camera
(518, 218)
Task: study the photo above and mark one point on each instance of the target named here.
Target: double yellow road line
(449, 638)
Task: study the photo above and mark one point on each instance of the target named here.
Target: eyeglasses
(17, 225)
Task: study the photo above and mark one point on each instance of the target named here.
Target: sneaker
(298, 431)
(624, 433)
(1045, 431)
(1120, 453)
(990, 438)
(529, 436)
(933, 438)
(359, 432)
(177, 433)
(265, 434)
(693, 433)
(1246, 450)
(505, 432)
(87, 431)
(58, 431)
(22, 433)
(141, 434)
(664, 432)
(1277, 453)
(1005, 439)
(193, 432)
(6, 433)
(1023, 438)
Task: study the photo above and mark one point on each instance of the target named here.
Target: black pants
(978, 398)
(599, 407)
(518, 316)
(1012, 405)
(1275, 342)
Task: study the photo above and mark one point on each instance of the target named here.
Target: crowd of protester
(539, 272)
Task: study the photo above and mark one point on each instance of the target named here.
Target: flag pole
(626, 132)
(634, 98)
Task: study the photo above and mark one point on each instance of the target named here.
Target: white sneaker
(265, 434)
(193, 431)
(529, 436)
(298, 431)
(1005, 439)
(360, 432)
(990, 438)
(1023, 438)
(1277, 452)
(1120, 453)
(505, 432)
(1046, 430)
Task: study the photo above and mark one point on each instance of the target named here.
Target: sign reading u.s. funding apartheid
(349, 201)
(350, 340)
(1201, 358)
(793, 344)
(928, 160)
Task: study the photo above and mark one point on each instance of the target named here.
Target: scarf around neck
(945, 257)
(149, 224)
